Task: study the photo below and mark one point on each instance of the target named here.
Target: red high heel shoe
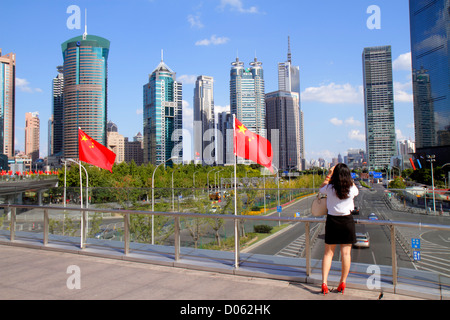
(324, 289)
(341, 287)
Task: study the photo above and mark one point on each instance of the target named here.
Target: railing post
(126, 226)
(83, 229)
(308, 249)
(12, 224)
(177, 238)
(45, 227)
(394, 257)
(236, 244)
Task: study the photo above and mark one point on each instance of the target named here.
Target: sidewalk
(36, 274)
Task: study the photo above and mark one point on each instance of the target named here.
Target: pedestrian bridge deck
(151, 272)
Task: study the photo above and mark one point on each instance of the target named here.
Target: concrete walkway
(35, 274)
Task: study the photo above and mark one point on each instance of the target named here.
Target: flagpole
(236, 225)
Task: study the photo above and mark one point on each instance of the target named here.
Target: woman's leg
(326, 262)
(346, 260)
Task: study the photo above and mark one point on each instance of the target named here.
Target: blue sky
(204, 37)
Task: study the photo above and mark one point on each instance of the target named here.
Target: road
(435, 245)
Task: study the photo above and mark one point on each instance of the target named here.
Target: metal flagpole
(236, 225)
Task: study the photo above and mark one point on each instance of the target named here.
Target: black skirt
(340, 230)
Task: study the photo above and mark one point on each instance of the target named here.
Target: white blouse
(336, 206)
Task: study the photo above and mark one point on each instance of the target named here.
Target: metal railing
(236, 218)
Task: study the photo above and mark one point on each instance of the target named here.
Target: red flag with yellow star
(92, 152)
(251, 146)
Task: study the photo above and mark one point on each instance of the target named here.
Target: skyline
(204, 38)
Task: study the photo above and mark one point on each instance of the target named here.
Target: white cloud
(219, 109)
(403, 62)
(352, 122)
(402, 92)
(187, 78)
(188, 116)
(194, 21)
(336, 121)
(356, 135)
(237, 5)
(334, 93)
(24, 86)
(139, 111)
(348, 122)
(214, 40)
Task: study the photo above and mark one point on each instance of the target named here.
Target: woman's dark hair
(341, 180)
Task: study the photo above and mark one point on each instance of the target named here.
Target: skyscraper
(379, 106)
(204, 121)
(56, 146)
(7, 103)
(247, 95)
(429, 28)
(163, 119)
(32, 127)
(283, 115)
(289, 80)
(85, 90)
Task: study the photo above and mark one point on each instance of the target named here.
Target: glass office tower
(430, 28)
(379, 106)
(163, 119)
(7, 107)
(85, 90)
(204, 121)
(247, 95)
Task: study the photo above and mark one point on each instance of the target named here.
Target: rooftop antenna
(289, 50)
(162, 55)
(85, 24)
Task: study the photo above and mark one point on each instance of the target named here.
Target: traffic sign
(415, 243)
(416, 255)
(297, 214)
(279, 209)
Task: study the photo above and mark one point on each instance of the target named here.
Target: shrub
(262, 228)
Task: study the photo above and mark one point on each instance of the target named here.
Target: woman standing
(339, 226)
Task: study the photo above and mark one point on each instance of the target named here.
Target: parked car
(362, 240)
(372, 216)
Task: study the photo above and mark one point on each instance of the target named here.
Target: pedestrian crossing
(295, 248)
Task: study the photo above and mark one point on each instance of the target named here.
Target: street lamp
(431, 159)
(153, 196)
(207, 178)
(173, 196)
(193, 183)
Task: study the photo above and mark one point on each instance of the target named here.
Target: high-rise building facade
(7, 103)
(204, 121)
(379, 106)
(163, 119)
(430, 43)
(225, 141)
(56, 142)
(247, 95)
(85, 90)
(32, 127)
(289, 80)
(282, 123)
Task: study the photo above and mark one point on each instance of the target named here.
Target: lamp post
(153, 197)
(217, 188)
(207, 178)
(431, 159)
(173, 195)
(193, 183)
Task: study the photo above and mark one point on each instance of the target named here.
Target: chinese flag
(251, 146)
(92, 152)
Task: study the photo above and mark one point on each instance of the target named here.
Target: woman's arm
(327, 179)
